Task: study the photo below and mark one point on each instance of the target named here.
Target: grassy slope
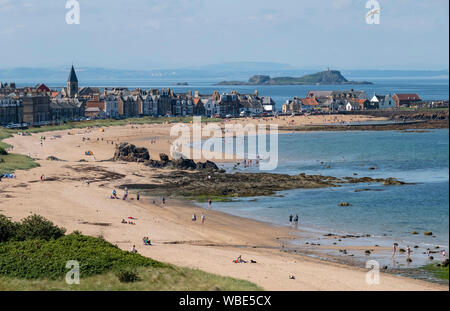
(152, 279)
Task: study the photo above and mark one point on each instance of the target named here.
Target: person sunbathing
(240, 260)
(147, 241)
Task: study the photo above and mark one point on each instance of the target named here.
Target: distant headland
(328, 77)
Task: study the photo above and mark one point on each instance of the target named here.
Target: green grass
(11, 162)
(438, 272)
(112, 122)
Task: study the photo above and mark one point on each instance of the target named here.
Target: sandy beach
(68, 200)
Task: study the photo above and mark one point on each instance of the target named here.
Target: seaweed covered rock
(184, 164)
(130, 153)
(392, 182)
(208, 165)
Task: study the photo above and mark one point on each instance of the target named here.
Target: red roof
(413, 97)
(309, 101)
(42, 88)
(357, 100)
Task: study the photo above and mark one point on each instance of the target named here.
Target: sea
(381, 215)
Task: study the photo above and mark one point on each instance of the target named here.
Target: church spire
(72, 84)
(72, 76)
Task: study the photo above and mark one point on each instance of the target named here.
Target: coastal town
(41, 105)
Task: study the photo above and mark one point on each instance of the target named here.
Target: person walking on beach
(125, 195)
(394, 250)
(203, 218)
(209, 203)
(163, 201)
(138, 196)
(194, 218)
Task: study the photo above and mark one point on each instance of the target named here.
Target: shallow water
(387, 213)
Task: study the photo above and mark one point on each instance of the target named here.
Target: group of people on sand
(147, 241)
(125, 195)
(129, 222)
(250, 162)
(7, 176)
(203, 218)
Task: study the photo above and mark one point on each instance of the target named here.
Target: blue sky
(161, 34)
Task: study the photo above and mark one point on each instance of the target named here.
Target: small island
(328, 77)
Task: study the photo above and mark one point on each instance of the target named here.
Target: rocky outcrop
(182, 164)
(130, 153)
(392, 182)
(216, 183)
(208, 165)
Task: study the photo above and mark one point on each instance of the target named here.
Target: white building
(111, 105)
(383, 101)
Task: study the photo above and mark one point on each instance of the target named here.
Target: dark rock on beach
(130, 153)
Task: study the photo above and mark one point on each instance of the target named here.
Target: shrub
(127, 276)
(37, 259)
(3, 151)
(37, 227)
(7, 229)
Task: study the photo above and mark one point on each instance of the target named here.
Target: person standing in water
(408, 251)
(394, 250)
(296, 220)
(290, 219)
(209, 203)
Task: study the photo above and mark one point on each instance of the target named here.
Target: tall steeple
(72, 83)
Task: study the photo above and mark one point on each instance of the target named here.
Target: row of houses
(41, 105)
(351, 100)
(38, 109)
